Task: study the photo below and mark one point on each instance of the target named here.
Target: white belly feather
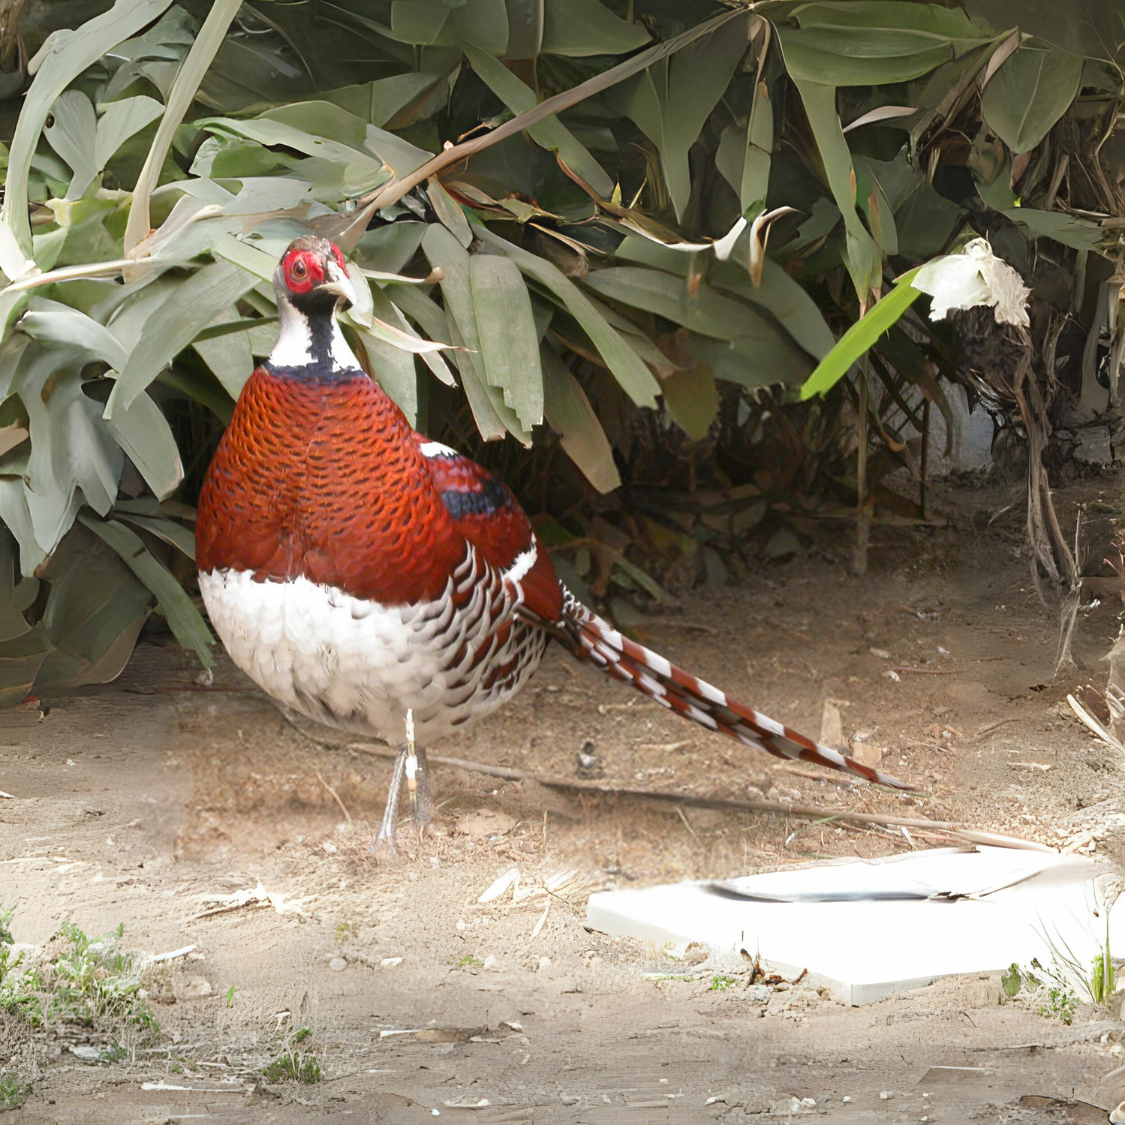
(359, 665)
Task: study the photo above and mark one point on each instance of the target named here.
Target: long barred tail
(593, 639)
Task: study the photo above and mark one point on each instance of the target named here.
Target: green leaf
(861, 254)
(870, 42)
(692, 400)
(52, 322)
(492, 414)
(64, 56)
(393, 366)
(551, 133)
(143, 432)
(673, 98)
(783, 297)
(448, 210)
(183, 618)
(570, 415)
(191, 307)
(628, 369)
(181, 95)
(229, 354)
(509, 342)
(1070, 230)
(745, 151)
(95, 609)
(579, 28)
(861, 336)
(1032, 89)
(72, 134)
(121, 120)
(174, 534)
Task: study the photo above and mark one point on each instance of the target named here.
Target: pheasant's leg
(412, 770)
(394, 795)
(417, 771)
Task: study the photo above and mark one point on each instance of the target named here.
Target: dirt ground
(142, 801)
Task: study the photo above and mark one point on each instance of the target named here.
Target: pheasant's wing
(486, 513)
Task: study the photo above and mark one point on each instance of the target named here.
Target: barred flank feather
(595, 640)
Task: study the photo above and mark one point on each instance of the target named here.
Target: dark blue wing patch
(490, 497)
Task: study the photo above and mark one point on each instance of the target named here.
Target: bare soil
(142, 801)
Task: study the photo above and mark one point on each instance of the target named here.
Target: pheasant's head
(310, 282)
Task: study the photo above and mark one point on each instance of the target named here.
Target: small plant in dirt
(291, 1065)
(470, 963)
(96, 983)
(720, 984)
(13, 1092)
(346, 931)
(91, 982)
(230, 997)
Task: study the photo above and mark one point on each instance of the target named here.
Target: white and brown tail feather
(595, 640)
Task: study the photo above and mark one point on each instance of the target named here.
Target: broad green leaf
(628, 369)
(448, 210)
(390, 247)
(95, 610)
(492, 415)
(862, 255)
(870, 42)
(483, 22)
(1070, 230)
(433, 321)
(192, 306)
(379, 101)
(70, 446)
(1030, 92)
(52, 322)
(692, 400)
(16, 594)
(420, 21)
(64, 56)
(744, 152)
(862, 335)
(783, 297)
(71, 134)
(570, 415)
(174, 534)
(393, 367)
(15, 513)
(181, 95)
(183, 618)
(121, 120)
(579, 28)
(143, 432)
(551, 133)
(673, 98)
(358, 169)
(20, 661)
(508, 340)
(229, 355)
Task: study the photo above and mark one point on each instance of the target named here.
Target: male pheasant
(380, 582)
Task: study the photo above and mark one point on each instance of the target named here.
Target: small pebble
(70, 761)
(390, 962)
(337, 964)
(489, 961)
(544, 963)
(330, 847)
(847, 1097)
(460, 924)
(884, 1094)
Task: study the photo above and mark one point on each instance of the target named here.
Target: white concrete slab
(866, 930)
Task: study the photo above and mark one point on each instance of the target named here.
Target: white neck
(297, 343)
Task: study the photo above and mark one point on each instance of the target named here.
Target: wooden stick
(731, 803)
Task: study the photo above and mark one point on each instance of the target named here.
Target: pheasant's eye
(299, 268)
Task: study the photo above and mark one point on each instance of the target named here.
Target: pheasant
(380, 582)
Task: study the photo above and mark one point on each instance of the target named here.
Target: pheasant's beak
(338, 283)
